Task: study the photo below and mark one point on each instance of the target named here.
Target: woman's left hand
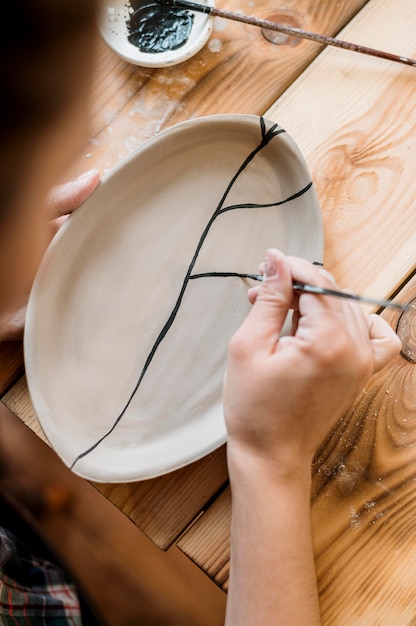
(62, 201)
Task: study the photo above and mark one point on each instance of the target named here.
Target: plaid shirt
(33, 591)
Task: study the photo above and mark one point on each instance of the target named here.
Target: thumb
(267, 316)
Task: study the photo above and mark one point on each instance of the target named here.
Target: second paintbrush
(287, 30)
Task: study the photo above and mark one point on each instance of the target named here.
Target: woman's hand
(62, 201)
(281, 396)
(283, 393)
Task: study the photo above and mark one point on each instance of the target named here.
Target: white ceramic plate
(117, 274)
(113, 27)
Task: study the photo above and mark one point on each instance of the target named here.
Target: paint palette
(144, 33)
(135, 301)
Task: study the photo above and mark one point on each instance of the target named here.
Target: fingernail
(270, 267)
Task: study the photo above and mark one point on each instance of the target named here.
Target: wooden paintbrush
(323, 291)
(287, 30)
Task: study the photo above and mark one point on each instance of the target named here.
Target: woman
(47, 52)
(281, 394)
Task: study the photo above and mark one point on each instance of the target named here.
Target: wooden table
(354, 118)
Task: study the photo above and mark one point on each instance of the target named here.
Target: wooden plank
(207, 542)
(238, 71)
(18, 401)
(161, 507)
(354, 118)
(164, 507)
(363, 504)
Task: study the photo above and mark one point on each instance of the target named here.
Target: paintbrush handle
(349, 296)
(303, 34)
(323, 291)
(287, 30)
(305, 288)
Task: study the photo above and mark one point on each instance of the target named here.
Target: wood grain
(18, 401)
(355, 121)
(363, 505)
(164, 507)
(238, 71)
(207, 542)
(364, 502)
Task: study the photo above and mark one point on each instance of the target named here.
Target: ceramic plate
(115, 16)
(127, 332)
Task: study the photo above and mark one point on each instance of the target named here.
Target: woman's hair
(40, 60)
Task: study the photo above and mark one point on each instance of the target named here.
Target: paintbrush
(287, 30)
(322, 291)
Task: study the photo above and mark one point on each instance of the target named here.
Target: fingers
(305, 272)
(385, 344)
(272, 303)
(371, 332)
(273, 298)
(314, 305)
(65, 198)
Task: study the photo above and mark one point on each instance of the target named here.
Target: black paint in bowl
(154, 28)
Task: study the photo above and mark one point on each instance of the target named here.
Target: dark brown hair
(40, 62)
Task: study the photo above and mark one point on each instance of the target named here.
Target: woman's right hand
(282, 394)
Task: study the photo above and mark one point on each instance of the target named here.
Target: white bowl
(114, 29)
